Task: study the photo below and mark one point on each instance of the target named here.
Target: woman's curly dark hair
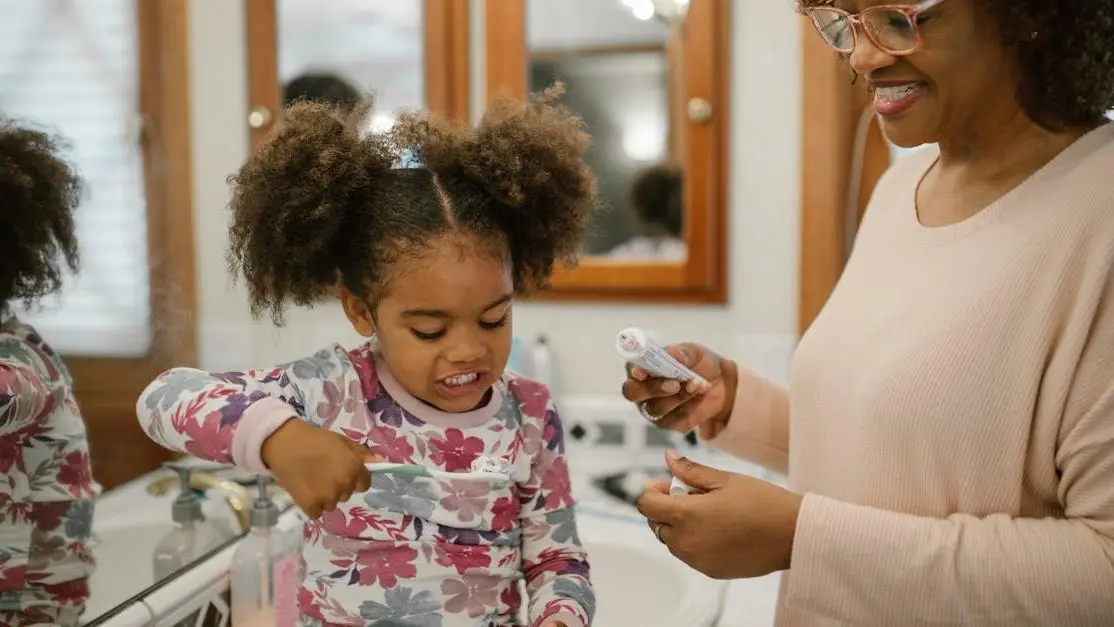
(1064, 51)
(39, 191)
(323, 203)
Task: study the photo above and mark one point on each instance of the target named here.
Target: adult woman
(952, 423)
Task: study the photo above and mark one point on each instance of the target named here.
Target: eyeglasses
(892, 28)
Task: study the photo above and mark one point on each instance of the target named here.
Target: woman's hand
(317, 468)
(685, 407)
(739, 527)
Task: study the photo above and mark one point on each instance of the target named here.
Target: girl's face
(444, 325)
(961, 84)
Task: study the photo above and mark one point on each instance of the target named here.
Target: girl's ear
(358, 312)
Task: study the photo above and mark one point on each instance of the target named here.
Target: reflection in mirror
(81, 335)
(341, 50)
(674, 55)
(615, 61)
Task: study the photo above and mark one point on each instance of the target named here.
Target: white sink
(127, 526)
(124, 563)
(637, 581)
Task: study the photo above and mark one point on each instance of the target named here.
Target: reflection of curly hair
(38, 194)
(657, 194)
(1067, 69)
(321, 87)
(323, 203)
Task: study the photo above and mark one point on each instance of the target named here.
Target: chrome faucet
(234, 495)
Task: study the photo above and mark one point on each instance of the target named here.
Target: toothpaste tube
(637, 348)
(491, 465)
(676, 486)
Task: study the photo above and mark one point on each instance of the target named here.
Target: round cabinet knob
(260, 117)
(700, 110)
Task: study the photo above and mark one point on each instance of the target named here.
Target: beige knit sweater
(950, 415)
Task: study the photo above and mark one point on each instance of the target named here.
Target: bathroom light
(672, 11)
(380, 122)
(644, 139)
(642, 9)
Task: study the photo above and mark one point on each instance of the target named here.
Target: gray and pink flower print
(46, 486)
(412, 551)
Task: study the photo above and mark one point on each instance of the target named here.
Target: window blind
(71, 66)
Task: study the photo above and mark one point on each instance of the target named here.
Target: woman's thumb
(694, 474)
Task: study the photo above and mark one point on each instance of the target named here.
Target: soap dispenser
(192, 535)
(265, 569)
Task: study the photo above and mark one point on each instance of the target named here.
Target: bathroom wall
(757, 325)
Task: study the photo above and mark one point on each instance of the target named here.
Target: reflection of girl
(46, 486)
(657, 197)
(429, 231)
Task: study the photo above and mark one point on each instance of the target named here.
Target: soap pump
(265, 569)
(192, 535)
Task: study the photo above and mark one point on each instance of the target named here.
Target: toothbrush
(414, 470)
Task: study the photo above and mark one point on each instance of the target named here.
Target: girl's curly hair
(1064, 50)
(39, 192)
(323, 203)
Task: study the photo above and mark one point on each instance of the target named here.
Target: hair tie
(408, 160)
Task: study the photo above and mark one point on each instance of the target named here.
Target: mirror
(408, 55)
(649, 79)
(620, 88)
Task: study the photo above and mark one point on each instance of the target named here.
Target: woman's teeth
(898, 92)
(461, 379)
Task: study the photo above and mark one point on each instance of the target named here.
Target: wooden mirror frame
(446, 62)
(832, 110)
(702, 277)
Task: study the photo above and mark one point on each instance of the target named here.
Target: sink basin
(124, 549)
(626, 593)
(124, 566)
(637, 580)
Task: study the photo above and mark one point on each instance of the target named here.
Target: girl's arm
(555, 562)
(25, 396)
(225, 417)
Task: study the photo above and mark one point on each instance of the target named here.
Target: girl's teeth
(461, 379)
(894, 94)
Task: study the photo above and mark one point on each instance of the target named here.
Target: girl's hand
(684, 407)
(317, 468)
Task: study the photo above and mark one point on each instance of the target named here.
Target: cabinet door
(408, 54)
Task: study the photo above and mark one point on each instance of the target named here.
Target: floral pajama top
(46, 486)
(412, 551)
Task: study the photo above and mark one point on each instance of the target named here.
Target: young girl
(426, 233)
(46, 484)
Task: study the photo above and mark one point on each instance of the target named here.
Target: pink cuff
(570, 620)
(259, 421)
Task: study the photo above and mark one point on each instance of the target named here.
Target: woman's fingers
(639, 391)
(677, 412)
